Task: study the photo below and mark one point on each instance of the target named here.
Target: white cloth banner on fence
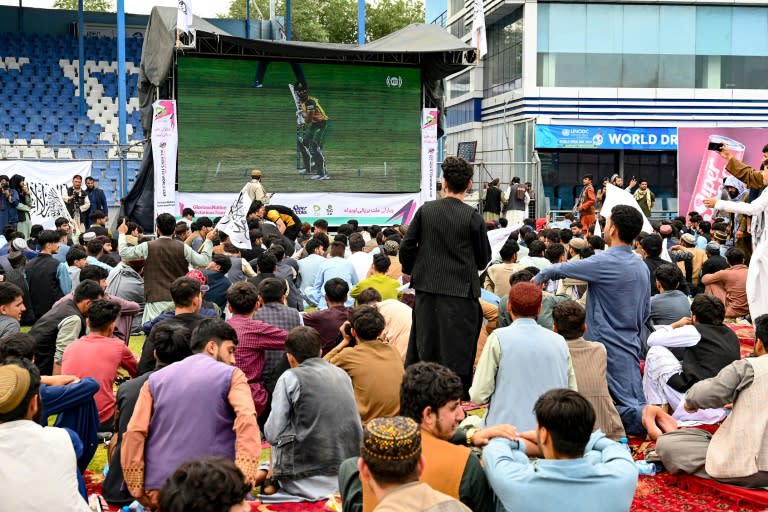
(165, 142)
(47, 182)
(233, 221)
(428, 154)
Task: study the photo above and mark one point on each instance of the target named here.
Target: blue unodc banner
(605, 137)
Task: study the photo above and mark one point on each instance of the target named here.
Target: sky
(202, 8)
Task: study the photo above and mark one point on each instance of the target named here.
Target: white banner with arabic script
(233, 221)
(337, 208)
(428, 154)
(47, 182)
(165, 142)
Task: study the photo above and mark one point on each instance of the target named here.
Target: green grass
(227, 127)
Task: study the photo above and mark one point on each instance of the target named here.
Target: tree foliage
(335, 21)
(88, 5)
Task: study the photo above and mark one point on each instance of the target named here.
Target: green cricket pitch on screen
(228, 125)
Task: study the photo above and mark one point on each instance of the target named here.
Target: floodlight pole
(247, 19)
(288, 21)
(360, 22)
(81, 54)
(121, 90)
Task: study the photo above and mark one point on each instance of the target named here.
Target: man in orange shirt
(586, 203)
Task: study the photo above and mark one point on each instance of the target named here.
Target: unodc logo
(597, 140)
(566, 132)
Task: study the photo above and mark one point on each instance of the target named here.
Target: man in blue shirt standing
(618, 304)
(576, 468)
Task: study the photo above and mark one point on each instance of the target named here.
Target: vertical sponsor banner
(428, 154)
(165, 141)
(701, 169)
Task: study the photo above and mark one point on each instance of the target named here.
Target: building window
(455, 7)
(503, 68)
(650, 46)
(459, 85)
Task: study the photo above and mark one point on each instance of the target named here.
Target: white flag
(598, 230)
(234, 222)
(615, 196)
(478, 29)
(184, 18)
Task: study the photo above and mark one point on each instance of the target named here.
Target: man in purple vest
(198, 407)
(166, 260)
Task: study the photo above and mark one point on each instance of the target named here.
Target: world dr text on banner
(234, 223)
(165, 141)
(478, 29)
(615, 196)
(428, 154)
(47, 182)
(337, 208)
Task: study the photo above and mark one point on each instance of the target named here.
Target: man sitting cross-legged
(314, 424)
(30, 454)
(575, 468)
(680, 355)
(198, 407)
(255, 337)
(99, 355)
(379, 280)
(589, 364)
(431, 396)
(171, 344)
(521, 361)
(737, 452)
(391, 463)
(375, 368)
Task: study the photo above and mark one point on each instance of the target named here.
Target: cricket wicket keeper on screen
(311, 141)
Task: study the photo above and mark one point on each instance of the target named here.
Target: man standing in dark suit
(443, 250)
(97, 198)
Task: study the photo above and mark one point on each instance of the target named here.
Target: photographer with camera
(375, 367)
(77, 203)
(9, 199)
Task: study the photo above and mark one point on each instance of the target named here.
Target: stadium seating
(39, 108)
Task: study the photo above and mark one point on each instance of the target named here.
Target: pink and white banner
(428, 155)
(165, 142)
(337, 208)
(701, 169)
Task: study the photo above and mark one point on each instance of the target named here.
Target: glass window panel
(604, 28)
(542, 36)
(677, 29)
(677, 71)
(603, 70)
(640, 71)
(641, 29)
(570, 70)
(568, 28)
(713, 34)
(744, 72)
(749, 32)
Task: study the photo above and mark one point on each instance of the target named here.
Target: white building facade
(623, 75)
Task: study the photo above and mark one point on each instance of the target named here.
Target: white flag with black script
(234, 223)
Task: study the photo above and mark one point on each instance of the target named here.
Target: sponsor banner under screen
(335, 208)
(47, 182)
(605, 137)
(700, 170)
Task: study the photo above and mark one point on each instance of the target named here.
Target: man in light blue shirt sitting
(335, 266)
(575, 469)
